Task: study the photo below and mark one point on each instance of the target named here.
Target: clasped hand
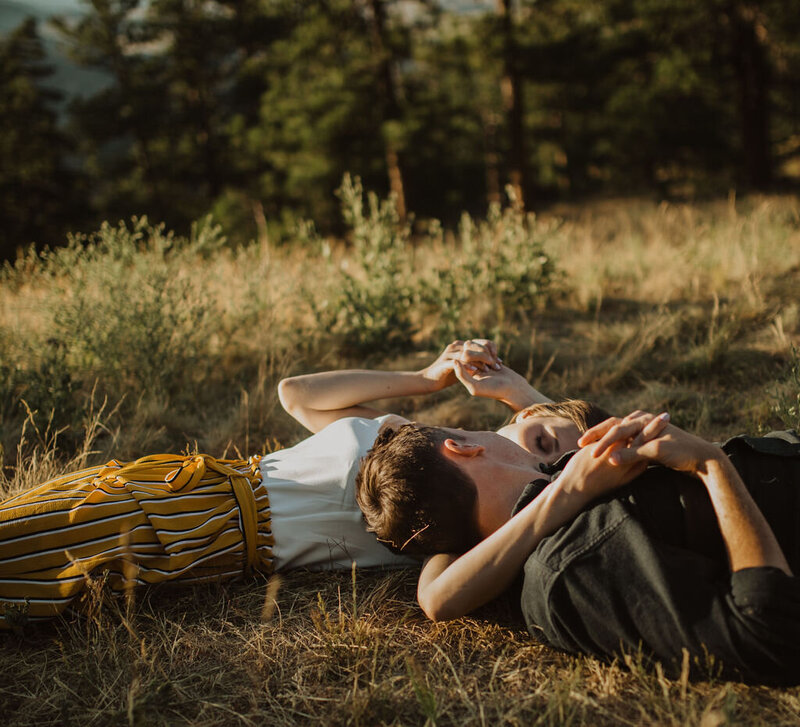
(644, 437)
(477, 354)
(598, 468)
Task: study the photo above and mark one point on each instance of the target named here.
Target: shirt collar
(536, 487)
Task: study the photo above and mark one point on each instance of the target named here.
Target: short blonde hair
(582, 414)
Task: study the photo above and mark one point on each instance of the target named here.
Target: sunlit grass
(689, 308)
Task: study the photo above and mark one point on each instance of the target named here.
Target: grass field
(145, 342)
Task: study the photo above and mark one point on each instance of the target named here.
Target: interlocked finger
(479, 354)
(597, 431)
(651, 430)
(624, 432)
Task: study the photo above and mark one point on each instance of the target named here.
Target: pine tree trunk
(491, 158)
(511, 88)
(753, 77)
(390, 103)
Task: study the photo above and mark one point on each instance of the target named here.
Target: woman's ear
(462, 449)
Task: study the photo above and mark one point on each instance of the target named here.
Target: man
(694, 556)
(418, 491)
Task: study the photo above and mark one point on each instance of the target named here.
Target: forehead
(544, 419)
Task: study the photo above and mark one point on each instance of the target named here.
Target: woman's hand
(503, 384)
(643, 437)
(478, 354)
(595, 474)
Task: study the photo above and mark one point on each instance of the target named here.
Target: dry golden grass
(330, 652)
(693, 309)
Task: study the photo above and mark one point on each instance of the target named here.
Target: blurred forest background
(254, 109)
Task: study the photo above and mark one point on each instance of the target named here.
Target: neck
(498, 496)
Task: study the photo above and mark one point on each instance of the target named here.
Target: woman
(196, 518)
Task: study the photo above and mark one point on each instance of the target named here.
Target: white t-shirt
(311, 487)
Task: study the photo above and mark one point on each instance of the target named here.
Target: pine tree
(37, 190)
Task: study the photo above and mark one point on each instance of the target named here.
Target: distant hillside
(70, 79)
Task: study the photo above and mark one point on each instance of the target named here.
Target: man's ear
(462, 449)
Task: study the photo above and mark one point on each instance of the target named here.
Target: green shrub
(121, 311)
(47, 387)
(497, 276)
(369, 303)
(490, 281)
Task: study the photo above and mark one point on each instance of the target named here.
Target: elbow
(435, 608)
(287, 394)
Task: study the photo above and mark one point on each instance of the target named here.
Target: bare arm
(748, 537)
(450, 586)
(503, 384)
(316, 400)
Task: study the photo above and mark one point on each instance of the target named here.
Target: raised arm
(451, 586)
(316, 400)
(503, 384)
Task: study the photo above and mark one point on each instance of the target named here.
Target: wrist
(520, 394)
(711, 462)
(557, 505)
(517, 401)
(569, 491)
(429, 382)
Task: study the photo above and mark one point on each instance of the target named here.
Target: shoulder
(357, 433)
(782, 443)
(391, 421)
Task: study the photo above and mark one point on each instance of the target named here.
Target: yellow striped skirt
(159, 518)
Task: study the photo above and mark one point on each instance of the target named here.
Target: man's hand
(643, 437)
(635, 429)
(595, 475)
(478, 354)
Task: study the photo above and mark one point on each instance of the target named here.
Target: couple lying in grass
(690, 561)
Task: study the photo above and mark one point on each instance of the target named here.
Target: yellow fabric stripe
(162, 517)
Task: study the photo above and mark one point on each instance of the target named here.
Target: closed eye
(542, 445)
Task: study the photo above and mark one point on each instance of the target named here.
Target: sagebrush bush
(373, 309)
(494, 279)
(122, 312)
(131, 314)
(489, 280)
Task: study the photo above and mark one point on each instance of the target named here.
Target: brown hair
(418, 502)
(413, 498)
